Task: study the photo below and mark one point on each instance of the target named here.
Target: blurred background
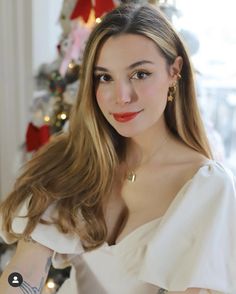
(41, 48)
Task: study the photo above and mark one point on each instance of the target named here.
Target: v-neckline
(135, 231)
(178, 194)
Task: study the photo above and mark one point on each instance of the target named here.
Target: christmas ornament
(101, 7)
(36, 137)
(84, 7)
(61, 115)
(57, 84)
(72, 73)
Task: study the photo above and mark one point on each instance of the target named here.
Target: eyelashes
(104, 78)
(141, 75)
(137, 75)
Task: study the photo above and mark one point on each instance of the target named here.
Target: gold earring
(179, 76)
(171, 93)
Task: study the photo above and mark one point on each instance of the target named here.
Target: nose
(123, 92)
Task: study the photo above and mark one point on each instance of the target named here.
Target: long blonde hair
(76, 169)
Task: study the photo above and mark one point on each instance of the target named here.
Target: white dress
(192, 246)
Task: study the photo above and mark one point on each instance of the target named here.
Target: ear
(175, 68)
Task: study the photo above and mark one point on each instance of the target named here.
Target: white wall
(15, 84)
(29, 32)
(46, 31)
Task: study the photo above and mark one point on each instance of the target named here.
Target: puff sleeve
(65, 246)
(194, 245)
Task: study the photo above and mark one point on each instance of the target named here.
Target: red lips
(125, 116)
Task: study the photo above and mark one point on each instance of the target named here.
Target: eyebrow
(133, 65)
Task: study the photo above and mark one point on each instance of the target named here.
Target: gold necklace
(131, 174)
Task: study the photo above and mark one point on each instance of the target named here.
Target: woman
(130, 196)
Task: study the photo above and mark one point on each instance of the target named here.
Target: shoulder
(198, 231)
(209, 196)
(215, 176)
(199, 169)
(208, 192)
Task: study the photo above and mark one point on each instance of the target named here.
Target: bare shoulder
(186, 161)
(187, 155)
(194, 158)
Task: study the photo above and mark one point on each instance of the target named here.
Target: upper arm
(32, 260)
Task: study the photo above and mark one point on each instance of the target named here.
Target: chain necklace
(132, 174)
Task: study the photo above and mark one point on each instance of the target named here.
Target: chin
(128, 132)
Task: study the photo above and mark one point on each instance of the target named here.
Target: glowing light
(63, 116)
(46, 118)
(51, 284)
(98, 20)
(71, 65)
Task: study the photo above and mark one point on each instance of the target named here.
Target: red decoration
(83, 8)
(36, 137)
(102, 7)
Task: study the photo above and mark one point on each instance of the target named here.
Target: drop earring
(172, 90)
(171, 93)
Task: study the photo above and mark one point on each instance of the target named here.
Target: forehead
(127, 48)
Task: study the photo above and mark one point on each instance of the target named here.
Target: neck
(147, 146)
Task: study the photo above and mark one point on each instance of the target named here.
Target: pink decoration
(78, 38)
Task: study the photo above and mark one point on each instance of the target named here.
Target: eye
(103, 78)
(141, 75)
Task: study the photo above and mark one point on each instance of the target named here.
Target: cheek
(102, 95)
(103, 99)
(153, 89)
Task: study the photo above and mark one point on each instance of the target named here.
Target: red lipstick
(125, 116)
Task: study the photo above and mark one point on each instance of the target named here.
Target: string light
(46, 118)
(71, 65)
(63, 116)
(98, 20)
(51, 284)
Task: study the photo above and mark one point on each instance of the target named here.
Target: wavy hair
(75, 170)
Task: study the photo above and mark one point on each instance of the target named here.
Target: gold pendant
(131, 176)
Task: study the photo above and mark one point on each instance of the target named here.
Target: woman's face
(132, 80)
